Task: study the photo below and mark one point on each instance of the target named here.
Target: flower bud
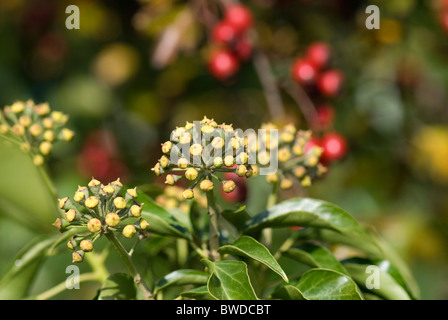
(228, 186)
(63, 203)
(4, 128)
(94, 225)
(25, 147)
(182, 163)
(297, 149)
(120, 203)
(70, 215)
(112, 219)
(45, 147)
(86, 245)
(156, 169)
(25, 121)
(17, 107)
(191, 174)
(218, 162)
(47, 123)
(42, 109)
(284, 154)
(299, 171)
(218, 143)
(188, 194)
(108, 190)
(48, 135)
(306, 181)
(166, 147)
(18, 130)
(67, 134)
(94, 183)
(229, 161)
(164, 161)
(136, 210)
(38, 160)
(60, 224)
(129, 231)
(169, 180)
(79, 196)
(143, 224)
(36, 130)
(185, 138)
(196, 149)
(71, 244)
(131, 193)
(312, 161)
(117, 183)
(272, 178)
(241, 170)
(188, 125)
(91, 202)
(78, 256)
(286, 184)
(206, 185)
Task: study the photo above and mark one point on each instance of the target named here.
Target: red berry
(239, 17)
(330, 82)
(223, 33)
(318, 54)
(334, 145)
(303, 71)
(243, 49)
(324, 115)
(223, 64)
(444, 19)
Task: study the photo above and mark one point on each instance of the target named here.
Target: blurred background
(135, 70)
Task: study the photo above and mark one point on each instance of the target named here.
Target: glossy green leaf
(19, 277)
(229, 280)
(180, 278)
(200, 293)
(319, 215)
(236, 217)
(316, 257)
(381, 278)
(325, 284)
(249, 247)
(118, 286)
(288, 292)
(160, 220)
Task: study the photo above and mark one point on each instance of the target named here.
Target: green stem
(50, 187)
(92, 276)
(138, 279)
(213, 225)
(272, 200)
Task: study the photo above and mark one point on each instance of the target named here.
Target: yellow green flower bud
(108, 189)
(94, 183)
(287, 137)
(112, 219)
(241, 170)
(188, 194)
(189, 125)
(67, 134)
(71, 244)
(284, 154)
(94, 225)
(45, 147)
(218, 143)
(18, 130)
(47, 123)
(272, 178)
(196, 149)
(48, 135)
(306, 181)
(182, 163)
(243, 158)
(86, 245)
(132, 193)
(228, 186)
(60, 224)
(207, 129)
(120, 203)
(166, 147)
(191, 174)
(117, 183)
(136, 210)
(79, 196)
(63, 202)
(59, 117)
(312, 160)
(164, 161)
(169, 180)
(299, 171)
(70, 215)
(156, 169)
(91, 202)
(206, 185)
(129, 231)
(143, 224)
(286, 184)
(229, 161)
(25, 147)
(185, 138)
(25, 121)
(218, 162)
(42, 109)
(4, 128)
(297, 149)
(17, 107)
(77, 256)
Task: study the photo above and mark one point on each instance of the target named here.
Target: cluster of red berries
(313, 72)
(232, 42)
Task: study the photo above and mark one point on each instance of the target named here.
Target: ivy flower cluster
(34, 127)
(198, 151)
(100, 209)
(298, 159)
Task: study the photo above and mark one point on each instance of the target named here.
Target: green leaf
(160, 221)
(317, 214)
(390, 284)
(316, 257)
(229, 280)
(200, 293)
(288, 292)
(236, 217)
(325, 284)
(118, 286)
(19, 277)
(180, 278)
(249, 247)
